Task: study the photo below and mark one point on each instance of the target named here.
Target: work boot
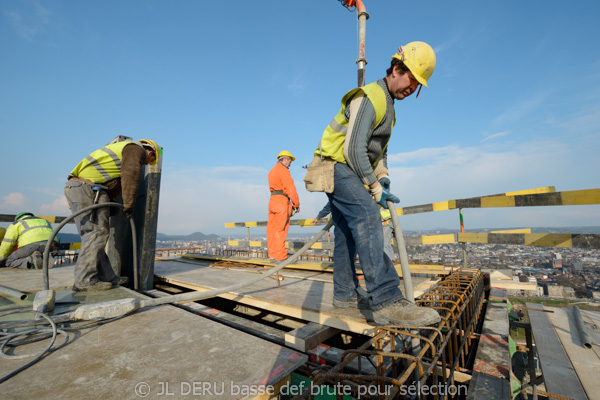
(405, 313)
(120, 281)
(361, 301)
(93, 287)
(35, 260)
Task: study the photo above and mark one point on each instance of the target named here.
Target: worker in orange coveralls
(282, 205)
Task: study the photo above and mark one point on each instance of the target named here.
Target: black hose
(67, 220)
(55, 331)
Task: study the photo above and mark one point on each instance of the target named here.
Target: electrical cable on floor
(9, 337)
(37, 334)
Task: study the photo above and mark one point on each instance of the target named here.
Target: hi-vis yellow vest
(334, 137)
(103, 164)
(26, 230)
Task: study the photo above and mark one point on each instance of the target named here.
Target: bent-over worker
(100, 178)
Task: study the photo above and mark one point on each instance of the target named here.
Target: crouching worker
(30, 234)
(100, 178)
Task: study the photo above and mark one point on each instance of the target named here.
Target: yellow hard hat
(419, 57)
(157, 149)
(286, 153)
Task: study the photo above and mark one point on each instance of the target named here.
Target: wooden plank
(306, 300)
(423, 287)
(324, 266)
(559, 375)
(309, 336)
(585, 361)
(298, 298)
(242, 324)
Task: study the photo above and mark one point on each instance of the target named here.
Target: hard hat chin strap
(419, 90)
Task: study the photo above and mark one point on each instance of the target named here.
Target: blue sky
(513, 104)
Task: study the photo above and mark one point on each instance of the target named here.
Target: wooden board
(321, 266)
(307, 337)
(559, 375)
(309, 300)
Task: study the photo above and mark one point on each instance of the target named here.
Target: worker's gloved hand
(382, 196)
(385, 182)
(2, 261)
(128, 212)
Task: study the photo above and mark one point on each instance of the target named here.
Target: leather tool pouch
(319, 175)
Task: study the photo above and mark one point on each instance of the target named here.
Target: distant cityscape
(527, 270)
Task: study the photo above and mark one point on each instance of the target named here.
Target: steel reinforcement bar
(409, 358)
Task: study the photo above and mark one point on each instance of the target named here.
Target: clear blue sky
(223, 86)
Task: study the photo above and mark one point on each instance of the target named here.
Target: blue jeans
(358, 230)
(93, 226)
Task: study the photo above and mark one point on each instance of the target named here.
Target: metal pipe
(10, 292)
(585, 337)
(362, 17)
(401, 246)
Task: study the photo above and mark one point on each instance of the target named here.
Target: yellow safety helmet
(419, 57)
(286, 153)
(156, 148)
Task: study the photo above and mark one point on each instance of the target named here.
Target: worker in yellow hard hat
(356, 141)
(100, 178)
(283, 203)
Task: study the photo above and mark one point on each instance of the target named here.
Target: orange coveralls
(280, 210)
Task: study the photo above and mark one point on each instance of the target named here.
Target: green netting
(512, 346)
(515, 385)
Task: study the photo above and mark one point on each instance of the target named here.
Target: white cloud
(14, 203)
(297, 85)
(521, 108)
(29, 23)
(58, 207)
(204, 199)
(495, 136)
(452, 172)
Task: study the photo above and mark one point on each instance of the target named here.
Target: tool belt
(78, 179)
(279, 193)
(320, 175)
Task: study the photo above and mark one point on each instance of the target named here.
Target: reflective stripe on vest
(103, 164)
(332, 142)
(33, 230)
